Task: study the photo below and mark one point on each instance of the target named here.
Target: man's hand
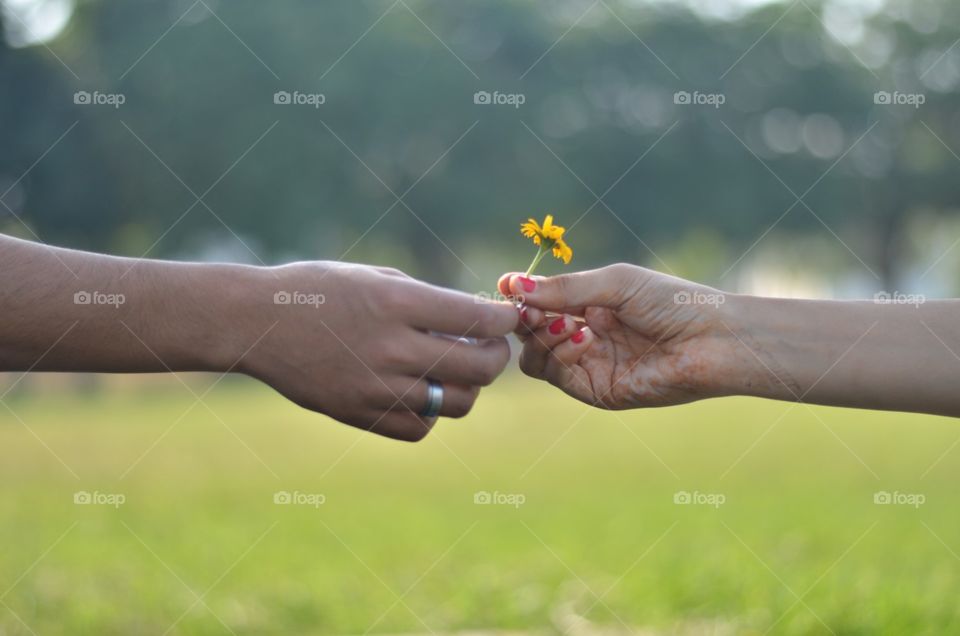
(357, 343)
(362, 353)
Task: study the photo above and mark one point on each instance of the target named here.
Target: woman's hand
(357, 343)
(623, 337)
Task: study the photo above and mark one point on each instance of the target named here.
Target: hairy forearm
(857, 354)
(64, 310)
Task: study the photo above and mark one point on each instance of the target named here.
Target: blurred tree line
(199, 160)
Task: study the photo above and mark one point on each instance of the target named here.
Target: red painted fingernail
(524, 316)
(578, 337)
(528, 283)
(557, 326)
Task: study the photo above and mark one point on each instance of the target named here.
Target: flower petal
(563, 252)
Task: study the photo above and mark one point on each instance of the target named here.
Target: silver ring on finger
(434, 400)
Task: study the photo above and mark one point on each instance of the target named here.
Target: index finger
(456, 313)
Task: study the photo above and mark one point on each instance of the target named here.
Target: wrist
(758, 341)
(254, 300)
(234, 310)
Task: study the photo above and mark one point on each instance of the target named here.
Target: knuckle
(501, 356)
(393, 297)
(488, 371)
(413, 431)
(394, 356)
(361, 421)
(486, 319)
(393, 271)
(462, 408)
(527, 365)
(368, 394)
(620, 271)
(564, 284)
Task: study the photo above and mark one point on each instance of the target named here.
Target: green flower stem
(544, 250)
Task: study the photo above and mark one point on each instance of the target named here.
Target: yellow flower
(549, 238)
(562, 251)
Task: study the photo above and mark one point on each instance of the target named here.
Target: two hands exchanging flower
(619, 337)
(394, 353)
(379, 355)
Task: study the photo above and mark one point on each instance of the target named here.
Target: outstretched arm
(351, 341)
(890, 356)
(65, 310)
(626, 337)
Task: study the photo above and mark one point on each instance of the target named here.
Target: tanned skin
(355, 342)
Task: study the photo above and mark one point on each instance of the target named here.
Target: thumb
(607, 287)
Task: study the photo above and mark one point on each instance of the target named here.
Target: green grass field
(399, 545)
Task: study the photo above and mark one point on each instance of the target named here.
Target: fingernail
(557, 326)
(579, 336)
(524, 316)
(528, 283)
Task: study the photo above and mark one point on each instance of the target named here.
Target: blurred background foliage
(712, 194)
